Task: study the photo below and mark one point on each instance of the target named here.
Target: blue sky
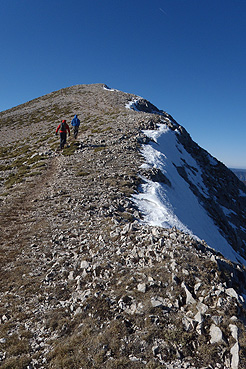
(185, 56)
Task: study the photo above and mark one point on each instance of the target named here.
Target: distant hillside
(241, 174)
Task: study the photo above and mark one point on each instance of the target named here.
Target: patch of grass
(127, 188)
(39, 165)
(4, 151)
(4, 194)
(12, 179)
(82, 174)
(33, 174)
(96, 130)
(87, 347)
(128, 216)
(17, 346)
(34, 159)
(70, 150)
(19, 162)
(57, 319)
(47, 136)
(99, 148)
(23, 170)
(5, 167)
(17, 350)
(72, 352)
(99, 130)
(55, 146)
(107, 129)
(20, 362)
(22, 165)
(23, 150)
(83, 128)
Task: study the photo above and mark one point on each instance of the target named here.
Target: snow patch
(105, 87)
(176, 205)
(132, 104)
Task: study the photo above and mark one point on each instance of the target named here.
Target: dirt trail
(18, 210)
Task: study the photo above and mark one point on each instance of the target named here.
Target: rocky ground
(83, 283)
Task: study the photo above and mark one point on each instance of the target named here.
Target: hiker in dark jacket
(63, 127)
(75, 123)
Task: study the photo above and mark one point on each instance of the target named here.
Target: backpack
(75, 122)
(63, 127)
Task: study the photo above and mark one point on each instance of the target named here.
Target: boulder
(216, 335)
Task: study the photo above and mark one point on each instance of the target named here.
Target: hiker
(63, 127)
(75, 123)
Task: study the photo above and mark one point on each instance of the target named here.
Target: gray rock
(217, 319)
(235, 356)
(189, 298)
(70, 276)
(84, 264)
(157, 301)
(216, 335)
(231, 292)
(234, 331)
(188, 323)
(201, 307)
(142, 287)
(4, 318)
(155, 350)
(127, 229)
(2, 355)
(198, 317)
(197, 286)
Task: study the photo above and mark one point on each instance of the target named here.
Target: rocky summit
(85, 282)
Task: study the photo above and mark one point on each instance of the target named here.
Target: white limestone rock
(231, 292)
(142, 287)
(84, 264)
(234, 331)
(157, 301)
(216, 335)
(189, 298)
(235, 356)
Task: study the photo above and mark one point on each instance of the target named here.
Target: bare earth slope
(83, 284)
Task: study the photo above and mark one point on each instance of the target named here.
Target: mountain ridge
(84, 283)
(240, 173)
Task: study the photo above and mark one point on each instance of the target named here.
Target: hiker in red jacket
(63, 127)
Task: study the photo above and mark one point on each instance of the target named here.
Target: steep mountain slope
(214, 198)
(84, 281)
(241, 174)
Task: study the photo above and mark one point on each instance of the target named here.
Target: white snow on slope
(177, 206)
(105, 87)
(132, 104)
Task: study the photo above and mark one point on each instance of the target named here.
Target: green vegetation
(81, 173)
(4, 152)
(5, 167)
(70, 150)
(22, 159)
(19, 362)
(99, 130)
(99, 148)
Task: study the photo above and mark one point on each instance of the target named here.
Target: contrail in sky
(163, 11)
